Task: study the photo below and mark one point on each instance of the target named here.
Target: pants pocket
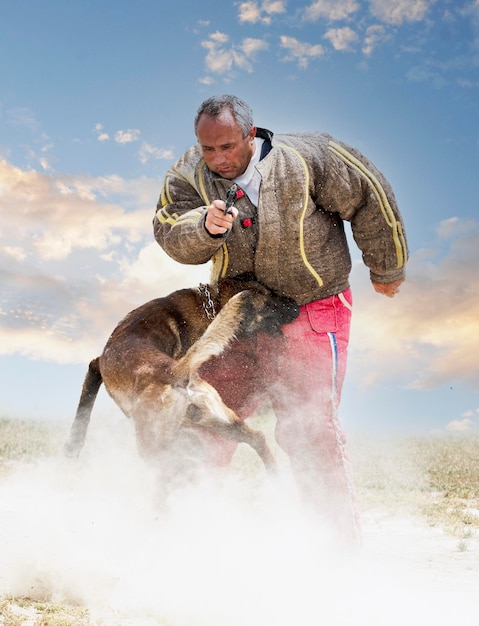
(322, 315)
(326, 315)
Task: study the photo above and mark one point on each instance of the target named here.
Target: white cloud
(53, 215)
(252, 12)
(300, 52)
(331, 10)
(399, 11)
(148, 151)
(251, 46)
(45, 163)
(36, 150)
(127, 136)
(22, 117)
(460, 426)
(219, 38)
(145, 272)
(15, 252)
(424, 74)
(455, 227)
(249, 12)
(101, 134)
(200, 25)
(466, 83)
(374, 34)
(341, 38)
(217, 60)
(427, 335)
(206, 80)
(221, 59)
(76, 254)
(274, 6)
(48, 146)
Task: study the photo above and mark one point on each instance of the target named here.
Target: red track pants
(302, 375)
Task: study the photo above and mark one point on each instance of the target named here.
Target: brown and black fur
(150, 364)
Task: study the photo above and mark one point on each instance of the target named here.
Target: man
(286, 228)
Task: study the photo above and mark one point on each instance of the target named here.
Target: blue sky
(97, 98)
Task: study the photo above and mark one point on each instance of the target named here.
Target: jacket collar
(267, 135)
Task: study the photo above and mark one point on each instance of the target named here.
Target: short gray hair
(240, 110)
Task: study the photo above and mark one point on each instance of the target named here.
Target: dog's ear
(287, 308)
(279, 310)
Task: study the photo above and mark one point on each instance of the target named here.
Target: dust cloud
(238, 552)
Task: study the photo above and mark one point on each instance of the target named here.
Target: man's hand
(217, 223)
(388, 289)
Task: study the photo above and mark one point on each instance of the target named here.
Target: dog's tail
(219, 334)
(91, 385)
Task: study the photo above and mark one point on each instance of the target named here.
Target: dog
(149, 365)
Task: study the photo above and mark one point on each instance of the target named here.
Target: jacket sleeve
(179, 222)
(353, 187)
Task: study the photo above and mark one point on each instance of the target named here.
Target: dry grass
(452, 466)
(25, 441)
(23, 611)
(436, 477)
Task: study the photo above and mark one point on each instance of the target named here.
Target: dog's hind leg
(91, 385)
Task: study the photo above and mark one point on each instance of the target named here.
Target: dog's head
(263, 309)
(266, 312)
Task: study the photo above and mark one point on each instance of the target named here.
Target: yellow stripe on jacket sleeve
(386, 210)
(192, 217)
(173, 219)
(164, 217)
(165, 197)
(201, 182)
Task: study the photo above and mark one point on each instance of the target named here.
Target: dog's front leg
(212, 414)
(241, 432)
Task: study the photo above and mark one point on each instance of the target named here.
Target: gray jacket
(294, 241)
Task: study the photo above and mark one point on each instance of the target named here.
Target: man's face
(225, 150)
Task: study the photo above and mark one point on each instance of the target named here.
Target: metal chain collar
(207, 301)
